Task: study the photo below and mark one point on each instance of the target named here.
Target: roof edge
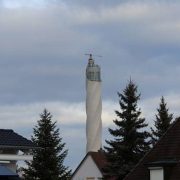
(19, 147)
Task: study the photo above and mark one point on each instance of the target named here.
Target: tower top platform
(93, 71)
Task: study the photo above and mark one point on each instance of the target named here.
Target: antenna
(90, 55)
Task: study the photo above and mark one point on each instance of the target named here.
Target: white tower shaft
(93, 107)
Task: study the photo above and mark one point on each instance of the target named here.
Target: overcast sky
(42, 61)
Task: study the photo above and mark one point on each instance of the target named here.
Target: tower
(93, 107)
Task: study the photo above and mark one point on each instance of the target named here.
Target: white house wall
(87, 169)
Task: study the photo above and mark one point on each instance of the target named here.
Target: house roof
(98, 158)
(166, 153)
(10, 139)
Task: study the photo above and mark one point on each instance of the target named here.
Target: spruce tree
(48, 160)
(162, 122)
(130, 141)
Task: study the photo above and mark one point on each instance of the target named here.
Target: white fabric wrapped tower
(93, 107)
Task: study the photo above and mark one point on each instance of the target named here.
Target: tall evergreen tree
(162, 122)
(47, 161)
(130, 140)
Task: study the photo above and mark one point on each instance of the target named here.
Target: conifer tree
(162, 122)
(130, 141)
(48, 160)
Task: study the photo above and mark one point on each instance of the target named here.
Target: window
(156, 173)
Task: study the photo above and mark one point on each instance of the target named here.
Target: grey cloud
(42, 51)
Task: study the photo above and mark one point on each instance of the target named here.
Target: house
(13, 148)
(163, 160)
(90, 167)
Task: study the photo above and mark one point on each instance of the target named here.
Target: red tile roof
(98, 158)
(166, 152)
